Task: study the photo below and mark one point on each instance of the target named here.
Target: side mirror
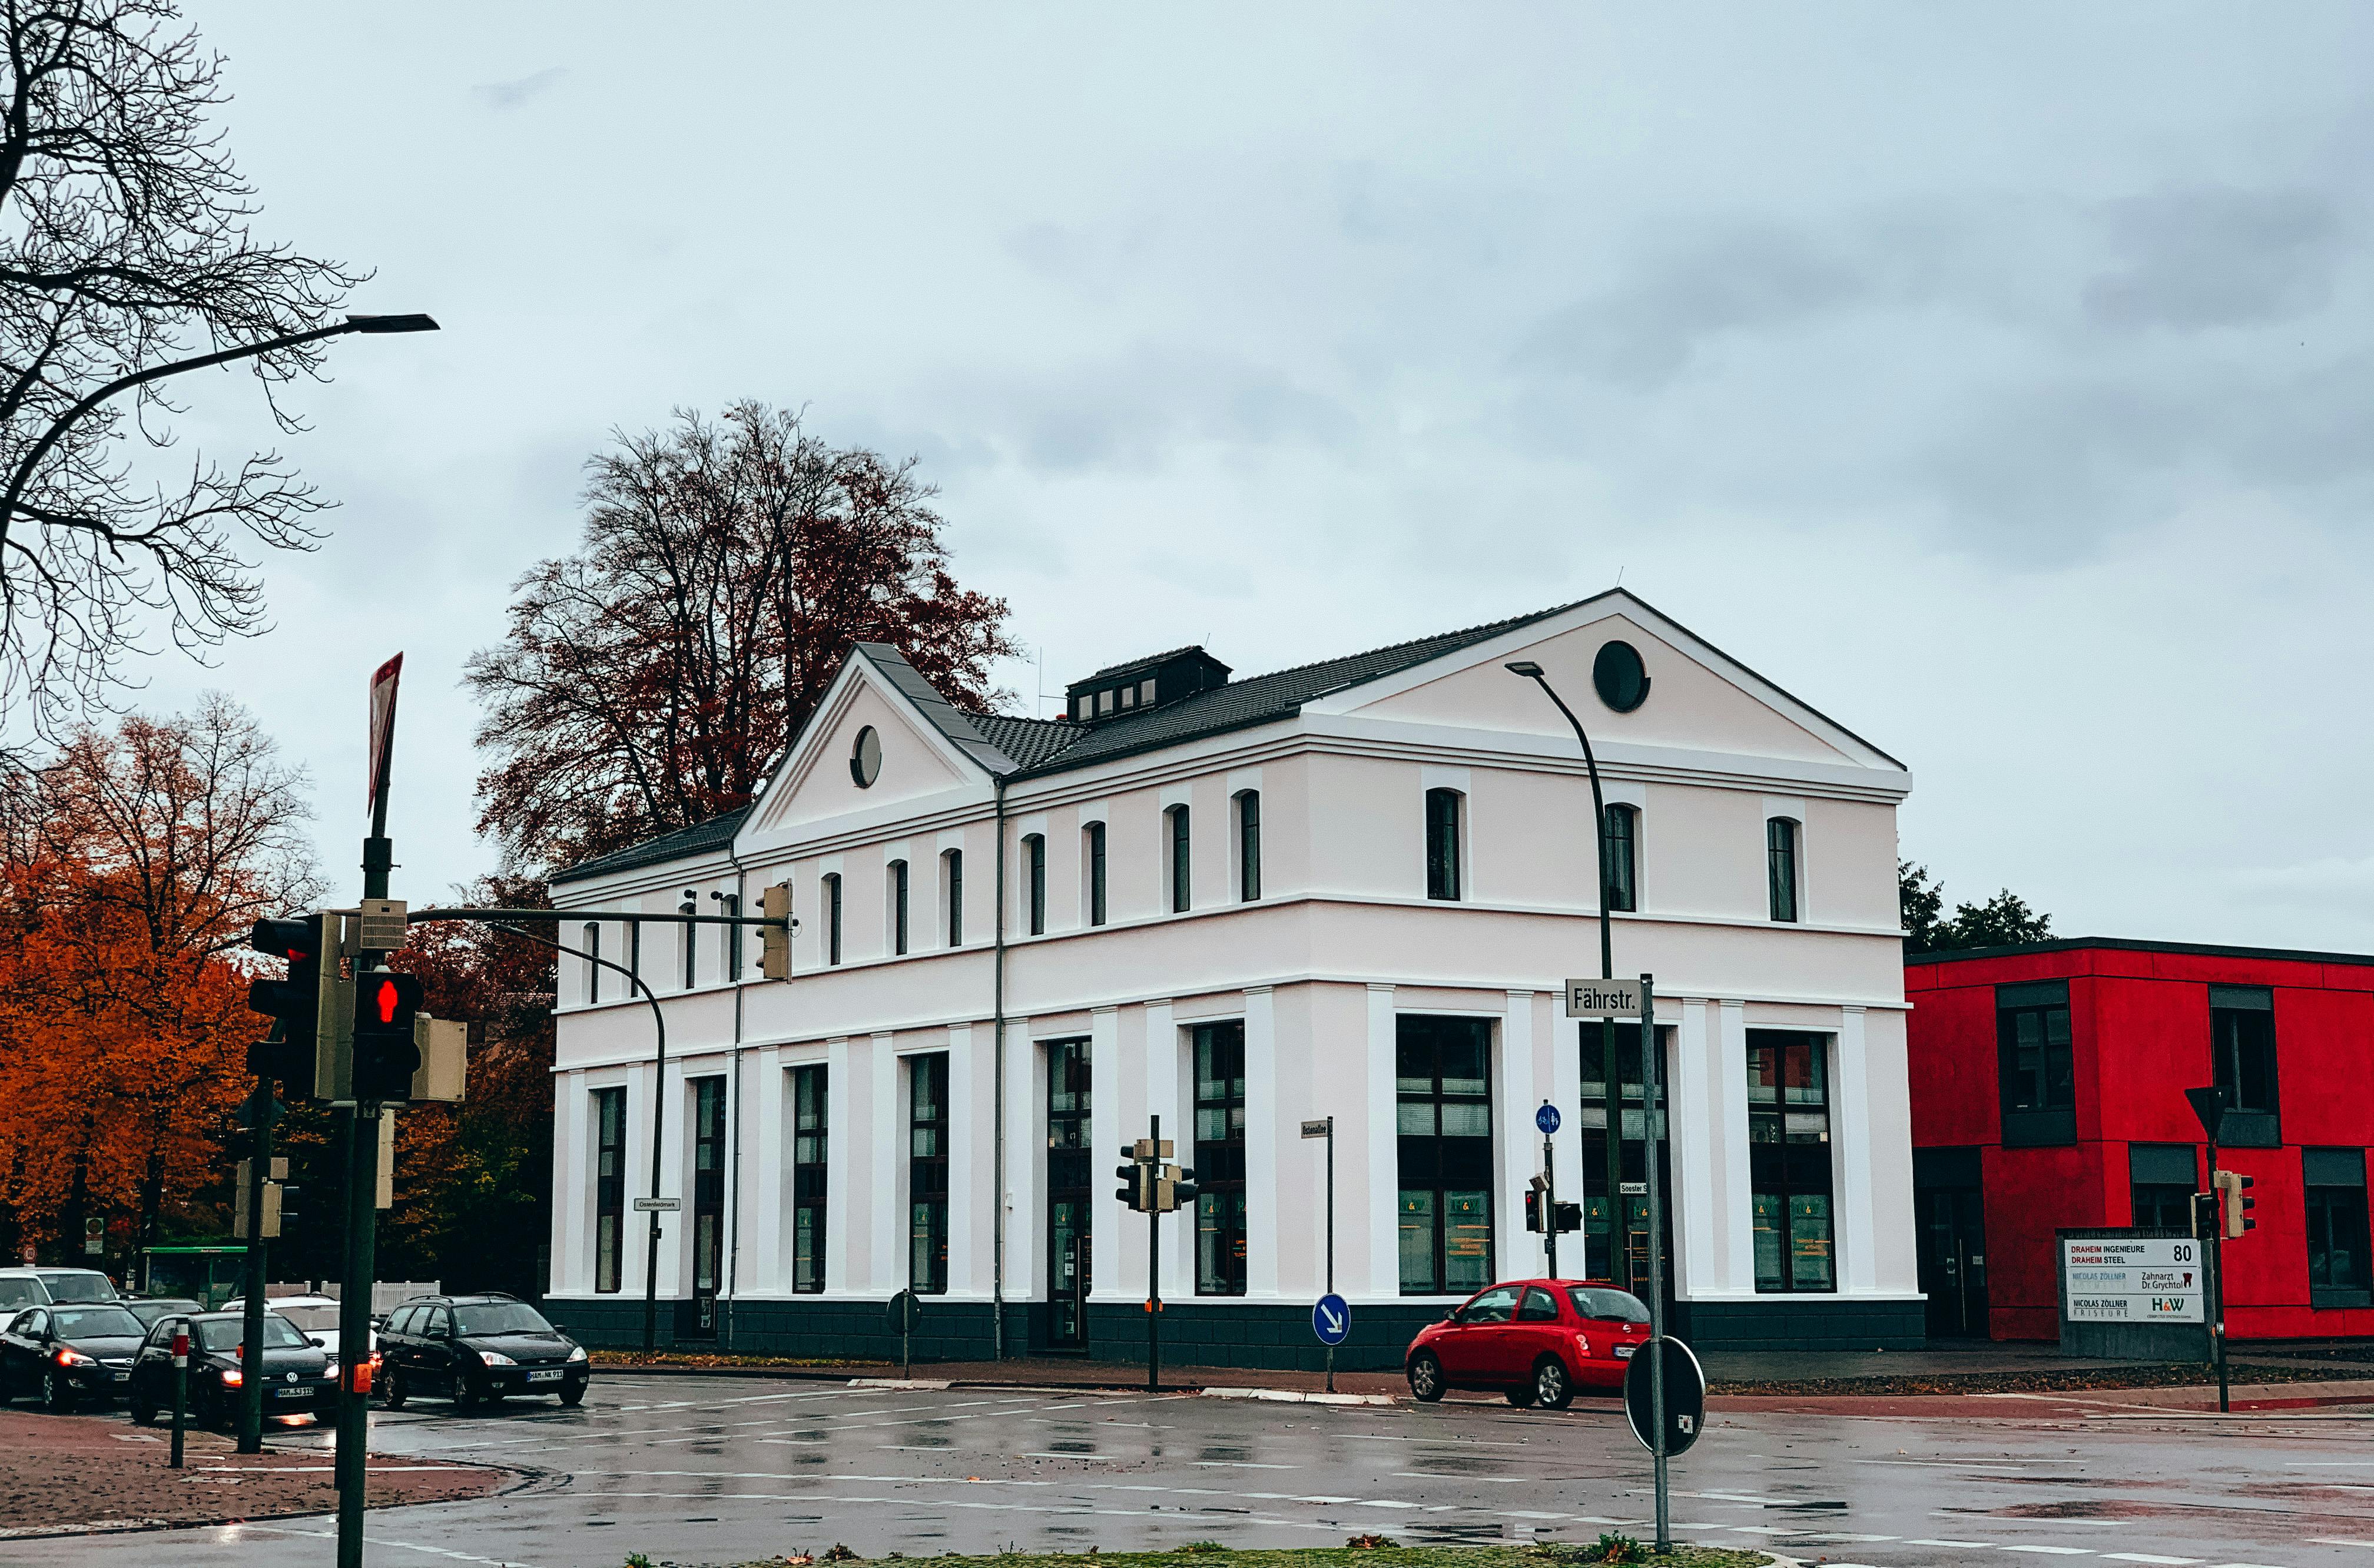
(1450, 1317)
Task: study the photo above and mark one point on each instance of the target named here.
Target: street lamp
(1618, 1265)
(65, 422)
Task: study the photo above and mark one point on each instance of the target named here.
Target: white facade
(1342, 943)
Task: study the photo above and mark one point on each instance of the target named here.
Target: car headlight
(232, 1377)
(68, 1356)
(330, 1367)
(496, 1358)
(576, 1352)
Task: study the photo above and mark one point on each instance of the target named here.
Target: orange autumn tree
(132, 864)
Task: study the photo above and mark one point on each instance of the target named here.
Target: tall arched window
(1623, 831)
(1780, 866)
(1249, 845)
(832, 917)
(1034, 882)
(1442, 880)
(1093, 850)
(898, 896)
(590, 938)
(1179, 859)
(691, 941)
(952, 891)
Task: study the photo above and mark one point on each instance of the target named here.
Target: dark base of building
(1194, 1333)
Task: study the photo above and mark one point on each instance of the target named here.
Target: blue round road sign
(1331, 1319)
(1546, 1118)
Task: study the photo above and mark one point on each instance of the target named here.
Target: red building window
(2037, 1064)
(2242, 1051)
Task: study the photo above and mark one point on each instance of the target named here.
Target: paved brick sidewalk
(68, 1474)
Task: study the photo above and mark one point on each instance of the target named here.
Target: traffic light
(775, 941)
(2234, 1188)
(1175, 1189)
(1133, 1182)
(1569, 1216)
(2205, 1215)
(287, 1053)
(386, 1055)
(1535, 1196)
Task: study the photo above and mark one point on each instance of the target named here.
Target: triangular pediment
(1699, 699)
(925, 748)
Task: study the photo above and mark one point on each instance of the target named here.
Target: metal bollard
(181, 1391)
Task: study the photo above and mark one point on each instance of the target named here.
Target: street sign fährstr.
(1602, 998)
(1331, 1319)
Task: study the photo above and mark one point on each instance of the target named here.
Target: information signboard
(2133, 1279)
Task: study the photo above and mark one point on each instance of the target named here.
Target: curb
(1296, 1396)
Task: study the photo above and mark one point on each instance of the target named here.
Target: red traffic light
(384, 998)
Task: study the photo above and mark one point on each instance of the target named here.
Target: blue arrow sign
(1546, 1118)
(1331, 1319)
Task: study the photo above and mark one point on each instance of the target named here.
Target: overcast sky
(1997, 378)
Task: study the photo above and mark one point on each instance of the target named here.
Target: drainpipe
(997, 1099)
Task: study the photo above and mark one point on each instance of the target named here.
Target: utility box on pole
(444, 1046)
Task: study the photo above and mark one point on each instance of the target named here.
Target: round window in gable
(866, 758)
(1622, 680)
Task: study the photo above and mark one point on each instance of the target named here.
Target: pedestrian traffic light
(386, 1055)
(1177, 1189)
(1133, 1181)
(286, 1052)
(1535, 1197)
(2234, 1188)
(1569, 1216)
(775, 940)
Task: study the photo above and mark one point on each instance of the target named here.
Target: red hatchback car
(1535, 1340)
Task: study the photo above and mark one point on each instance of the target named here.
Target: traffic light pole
(1153, 1266)
(2216, 1259)
(259, 1102)
(1550, 1203)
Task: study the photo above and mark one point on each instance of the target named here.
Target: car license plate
(1624, 1352)
(551, 1377)
(294, 1393)
(123, 1377)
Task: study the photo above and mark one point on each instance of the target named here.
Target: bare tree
(124, 244)
(650, 679)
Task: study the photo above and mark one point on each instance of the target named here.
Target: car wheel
(573, 1395)
(142, 1412)
(57, 1396)
(1425, 1377)
(1552, 1389)
(466, 1394)
(1522, 1396)
(393, 1392)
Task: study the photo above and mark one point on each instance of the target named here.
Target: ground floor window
(1220, 1159)
(1069, 1202)
(2335, 1199)
(609, 1185)
(1443, 1086)
(1629, 1267)
(809, 1131)
(708, 1194)
(2161, 1179)
(927, 1173)
(1789, 1160)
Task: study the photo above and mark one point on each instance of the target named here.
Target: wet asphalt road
(698, 1469)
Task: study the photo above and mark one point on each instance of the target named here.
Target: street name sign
(2133, 1279)
(1320, 1128)
(1331, 1319)
(1602, 998)
(658, 1205)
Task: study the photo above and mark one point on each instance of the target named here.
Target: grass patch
(1210, 1554)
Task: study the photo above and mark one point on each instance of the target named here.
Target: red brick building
(2048, 1091)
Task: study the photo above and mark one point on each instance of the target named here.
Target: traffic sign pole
(1656, 1254)
(1546, 1118)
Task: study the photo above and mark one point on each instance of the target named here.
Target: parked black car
(474, 1349)
(68, 1354)
(148, 1309)
(300, 1378)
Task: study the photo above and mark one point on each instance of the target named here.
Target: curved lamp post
(65, 422)
(1618, 1269)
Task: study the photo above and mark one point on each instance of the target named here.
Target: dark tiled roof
(1027, 741)
(1149, 659)
(1260, 699)
(699, 838)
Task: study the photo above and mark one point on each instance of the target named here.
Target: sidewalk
(1977, 1367)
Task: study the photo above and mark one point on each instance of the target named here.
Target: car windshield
(21, 1292)
(94, 1323)
(149, 1312)
(78, 1285)
(223, 1334)
(1607, 1303)
(313, 1320)
(499, 1317)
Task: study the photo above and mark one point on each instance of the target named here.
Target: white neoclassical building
(1349, 890)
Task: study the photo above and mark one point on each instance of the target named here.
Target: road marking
(2178, 1561)
(1970, 1545)
(2054, 1550)
(2336, 1540)
(391, 1545)
(1241, 1464)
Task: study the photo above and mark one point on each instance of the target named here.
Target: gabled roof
(701, 838)
(1255, 700)
(1027, 742)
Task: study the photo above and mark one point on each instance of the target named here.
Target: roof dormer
(1118, 690)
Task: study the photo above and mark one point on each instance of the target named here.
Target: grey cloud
(1134, 410)
(1647, 330)
(2211, 256)
(514, 94)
